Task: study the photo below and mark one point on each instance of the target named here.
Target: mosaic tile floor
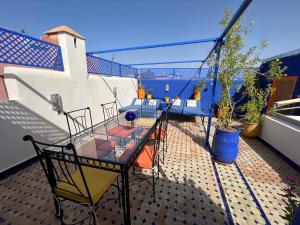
(192, 189)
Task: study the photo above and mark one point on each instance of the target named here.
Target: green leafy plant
(291, 200)
(199, 85)
(233, 61)
(149, 91)
(257, 98)
(238, 60)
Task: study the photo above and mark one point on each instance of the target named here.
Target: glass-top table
(114, 145)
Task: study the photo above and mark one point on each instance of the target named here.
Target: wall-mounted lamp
(167, 88)
(115, 92)
(75, 42)
(56, 103)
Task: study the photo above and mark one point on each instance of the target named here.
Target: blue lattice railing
(21, 49)
(101, 66)
(174, 73)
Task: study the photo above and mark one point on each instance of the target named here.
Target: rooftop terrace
(192, 189)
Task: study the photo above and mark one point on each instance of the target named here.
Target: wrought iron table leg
(125, 196)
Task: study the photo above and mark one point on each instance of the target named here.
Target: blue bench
(177, 106)
(136, 103)
(193, 108)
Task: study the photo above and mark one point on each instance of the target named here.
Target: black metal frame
(156, 130)
(165, 123)
(56, 165)
(110, 110)
(119, 167)
(79, 121)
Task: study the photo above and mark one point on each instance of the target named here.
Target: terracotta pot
(197, 94)
(167, 99)
(251, 130)
(219, 114)
(149, 96)
(141, 92)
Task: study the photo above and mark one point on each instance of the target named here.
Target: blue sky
(125, 23)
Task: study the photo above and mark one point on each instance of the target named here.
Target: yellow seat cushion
(98, 181)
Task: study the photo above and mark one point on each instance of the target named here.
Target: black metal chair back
(79, 122)
(157, 131)
(58, 163)
(110, 113)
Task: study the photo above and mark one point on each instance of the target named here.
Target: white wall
(283, 136)
(29, 89)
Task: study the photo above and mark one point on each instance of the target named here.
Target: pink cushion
(121, 131)
(104, 146)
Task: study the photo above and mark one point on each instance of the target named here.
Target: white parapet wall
(283, 136)
(28, 110)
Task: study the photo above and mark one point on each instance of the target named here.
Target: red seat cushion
(121, 131)
(104, 146)
(145, 158)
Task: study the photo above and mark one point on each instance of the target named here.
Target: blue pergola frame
(216, 48)
(158, 63)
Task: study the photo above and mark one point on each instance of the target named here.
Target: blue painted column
(216, 71)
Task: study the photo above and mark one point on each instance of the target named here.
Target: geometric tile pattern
(187, 192)
(21, 49)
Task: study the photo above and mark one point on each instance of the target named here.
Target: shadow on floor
(26, 199)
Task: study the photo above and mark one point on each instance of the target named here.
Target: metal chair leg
(158, 167)
(58, 210)
(119, 194)
(153, 185)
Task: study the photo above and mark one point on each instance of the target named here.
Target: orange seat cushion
(162, 134)
(152, 136)
(145, 158)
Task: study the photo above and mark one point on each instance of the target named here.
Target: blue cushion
(194, 111)
(177, 109)
(131, 106)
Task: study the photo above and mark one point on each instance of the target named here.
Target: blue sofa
(136, 103)
(177, 106)
(193, 108)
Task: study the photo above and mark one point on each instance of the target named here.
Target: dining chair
(148, 157)
(112, 122)
(70, 180)
(80, 122)
(163, 133)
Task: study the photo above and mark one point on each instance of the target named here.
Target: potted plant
(141, 88)
(167, 99)
(149, 93)
(292, 208)
(257, 97)
(235, 59)
(197, 90)
(141, 91)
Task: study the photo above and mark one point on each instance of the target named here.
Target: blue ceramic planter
(225, 145)
(296, 220)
